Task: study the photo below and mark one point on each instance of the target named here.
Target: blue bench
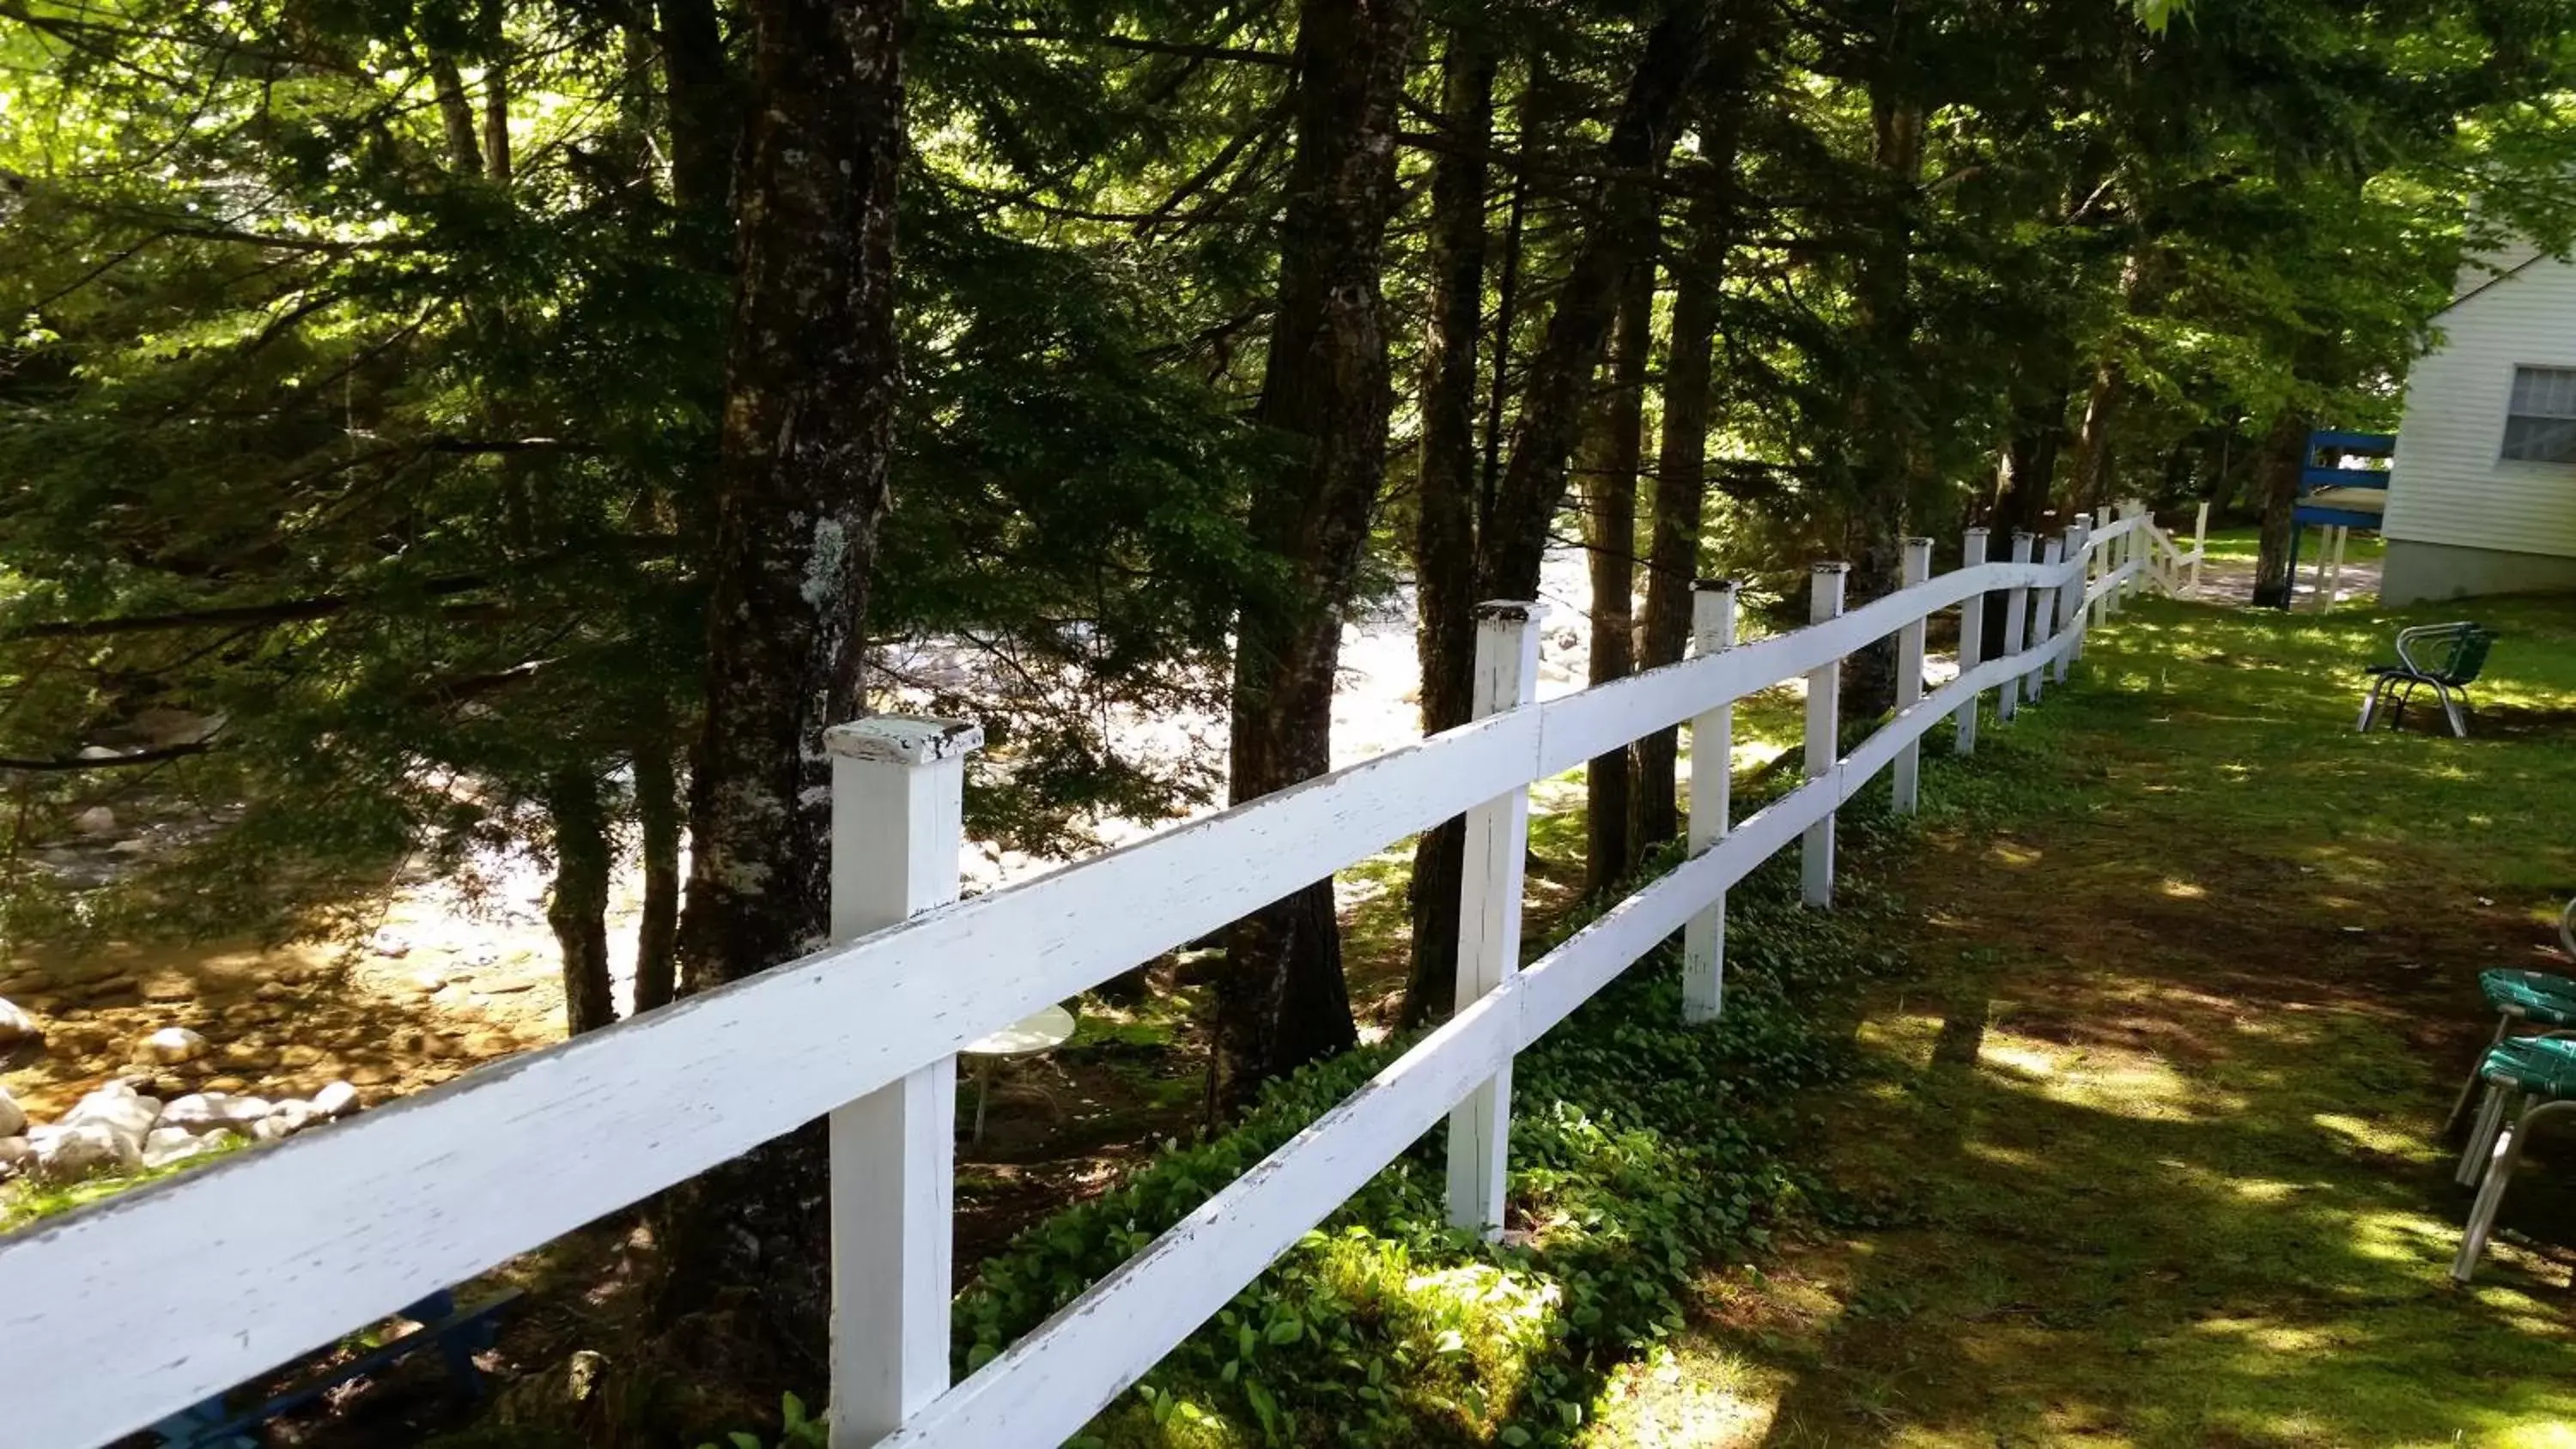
(457, 1334)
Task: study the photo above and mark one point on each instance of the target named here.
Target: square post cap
(899, 739)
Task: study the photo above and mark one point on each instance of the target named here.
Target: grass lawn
(2240, 545)
(2146, 1147)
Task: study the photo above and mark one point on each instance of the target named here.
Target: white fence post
(1712, 761)
(2016, 620)
(2116, 559)
(2126, 552)
(2105, 560)
(2043, 617)
(1905, 777)
(1824, 731)
(1489, 917)
(2199, 543)
(2070, 598)
(1972, 641)
(898, 789)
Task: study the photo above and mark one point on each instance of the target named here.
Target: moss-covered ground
(2146, 1148)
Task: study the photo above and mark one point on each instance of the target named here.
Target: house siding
(2449, 486)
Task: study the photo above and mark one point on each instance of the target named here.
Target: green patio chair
(2446, 658)
(2530, 998)
(2527, 1079)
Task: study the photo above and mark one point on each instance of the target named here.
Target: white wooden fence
(115, 1316)
(2175, 569)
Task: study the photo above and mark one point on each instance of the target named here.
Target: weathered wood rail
(116, 1315)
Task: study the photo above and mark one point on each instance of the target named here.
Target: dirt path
(2146, 1147)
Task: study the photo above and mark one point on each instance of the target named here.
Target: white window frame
(2564, 375)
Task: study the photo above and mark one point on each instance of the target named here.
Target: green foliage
(1643, 1151)
(2182, 915)
(796, 1430)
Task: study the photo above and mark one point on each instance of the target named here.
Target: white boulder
(203, 1112)
(172, 1045)
(166, 1145)
(17, 1026)
(13, 1118)
(336, 1100)
(72, 1149)
(116, 1106)
(14, 1155)
(295, 1114)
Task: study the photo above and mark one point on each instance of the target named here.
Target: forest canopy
(523, 424)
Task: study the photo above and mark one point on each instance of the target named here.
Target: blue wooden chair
(456, 1334)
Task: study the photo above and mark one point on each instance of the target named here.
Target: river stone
(16, 1025)
(118, 1107)
(166, 1145)
(13, 1118)
(173, 1044)
(15, 1154)
(68, 1150)
(336, 1100)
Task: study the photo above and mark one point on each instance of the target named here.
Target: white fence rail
(118, 1315)
(2177, 569)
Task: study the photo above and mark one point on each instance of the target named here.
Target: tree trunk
(2024, 476)
(1281, 1001)
(1520, 503)
(1444, 538)
(1530, 122)
(811, 384)
(706, 121)
(2094, 471)
(2285, 456)
(1884, 446)
(657, 813)
(1533, 485)
(1681, 485)
(456, 115)
(1614, 458)
(496, 120)
(2095, 474)
(578, 907)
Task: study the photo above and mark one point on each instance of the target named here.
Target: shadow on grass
(2146, 1148)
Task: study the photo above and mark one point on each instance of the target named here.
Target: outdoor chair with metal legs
(2445, 658)
(2538, 1071)
(2535, 998)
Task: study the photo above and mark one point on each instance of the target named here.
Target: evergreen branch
(1138, 44)
(282, 611)
(73, 763)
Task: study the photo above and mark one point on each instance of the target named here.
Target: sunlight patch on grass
(2143, 1150)
(2382, 1137)
(1699, 1397)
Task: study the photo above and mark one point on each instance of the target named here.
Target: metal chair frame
(2408, 675)
(2503, 1142)
(2504, 1027)
(2495, 1146)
